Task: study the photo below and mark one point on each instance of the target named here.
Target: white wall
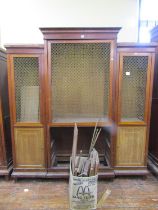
(20, 19)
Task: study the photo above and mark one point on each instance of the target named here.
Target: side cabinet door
(29, 147)
(130, 150)
(134, 88)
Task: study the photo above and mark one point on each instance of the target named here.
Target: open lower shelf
(66, 164)
(62, 170)
(61, 148)
(81, 121)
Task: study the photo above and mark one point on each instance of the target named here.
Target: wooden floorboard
(130, 193)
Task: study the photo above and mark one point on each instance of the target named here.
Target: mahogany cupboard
(5, 137)
(135, 79)
(26, 94)
(82, 75)
(153, 140)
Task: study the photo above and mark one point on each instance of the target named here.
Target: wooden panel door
(29, 146)
(130, 149)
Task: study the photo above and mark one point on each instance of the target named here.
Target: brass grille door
(80, 81)
(26, 74)
(133, 87)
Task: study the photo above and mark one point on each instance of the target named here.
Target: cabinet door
(29, 147)
(80, 78)
(27, 88)
(130, 150)
(134, 86)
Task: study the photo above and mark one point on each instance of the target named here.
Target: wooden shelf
(81, 122)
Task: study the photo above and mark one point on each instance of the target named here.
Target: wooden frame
(12, 90)
(153, 135)
(5, 134)
(26, 51)
(125, 49)
(79, 35)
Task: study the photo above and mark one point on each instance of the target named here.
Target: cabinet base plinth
(56, 172)
(6, 170)
(17, 174)
(131, 172)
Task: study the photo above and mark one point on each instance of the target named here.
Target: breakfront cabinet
(81, 76)
(5, 134)
(153, 139)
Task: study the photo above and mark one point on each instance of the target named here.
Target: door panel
(29, 147)
(75, 68)
(133, 87)
(130, 150)
(27, 88)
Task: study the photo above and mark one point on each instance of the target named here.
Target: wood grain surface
(130, 193)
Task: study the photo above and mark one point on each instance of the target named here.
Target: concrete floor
(127, 193)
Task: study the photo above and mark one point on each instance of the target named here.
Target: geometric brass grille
(80, 80)
(26, 89)
(133, 91)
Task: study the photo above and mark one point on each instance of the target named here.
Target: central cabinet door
(29, 146)
(81, 81)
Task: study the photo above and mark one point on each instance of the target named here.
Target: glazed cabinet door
(29, 146)
(80, 78)
(130, 148)
(27, 95)
(134, 88)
